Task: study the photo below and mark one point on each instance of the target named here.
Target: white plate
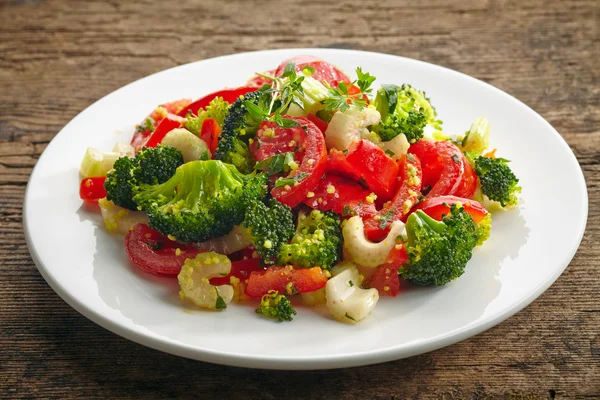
(528, 250)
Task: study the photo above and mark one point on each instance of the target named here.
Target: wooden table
(57, 57)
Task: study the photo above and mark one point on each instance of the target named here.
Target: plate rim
(308, 362)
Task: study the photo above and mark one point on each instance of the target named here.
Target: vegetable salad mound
(304, 182)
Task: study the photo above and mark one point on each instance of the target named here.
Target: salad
(303, 183)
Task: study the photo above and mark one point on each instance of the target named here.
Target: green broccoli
(276, 306)
(204, 199)
(238, 128)
(268, 227)
(438, 251)
(317, 241)
(150, 166)
(498, 182)
(217, 109)
(405, 110)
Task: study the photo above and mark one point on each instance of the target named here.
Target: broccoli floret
(217, 109)
(317, 241)
(498, 182)
(204, 199)
(484, 227)
(150, 166)
(405, 110)
(438, 251)
(238, 128)
(276, 306)
(268, 227)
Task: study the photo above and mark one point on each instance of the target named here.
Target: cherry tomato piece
(341, 195)
(437, 207)
(210, 133)
(385, 279)
(239, 269)
(229, 95)
(155, 253)
(92, 189)
(323, 71)
(282, 279)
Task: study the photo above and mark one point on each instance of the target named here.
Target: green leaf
(390, 153)
(220, 305)
(391, 92)
(365, 80)
(256, 113)
(286, 123)
(291, 180)
(289, 70)
(386, 218)
(276, 164)
(349, 317)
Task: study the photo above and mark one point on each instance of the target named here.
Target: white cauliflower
(118, 219)
(364, 252)
(97, 163)
(349, 126)
(346, 300)
(234, 241)
(192, 148)
(195, 285)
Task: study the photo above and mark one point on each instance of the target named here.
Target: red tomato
(312, 154)
(322, 125)
(468, 183)
(229, 95)
(278, 278)
(323, 70)
(173, 107)
(210, 134)
(282, 140)
(240, 269)
(348, 198)
(337, 164)
(157, 115)
(436, 207)
(170, 122)
(398, 209)
(385, 279)
(443, 167)
(155, 253)
(92, 189)
(378, 171)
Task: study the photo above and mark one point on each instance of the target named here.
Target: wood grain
(57, 57)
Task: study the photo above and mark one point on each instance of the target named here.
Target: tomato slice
(341, 195)
(92, 189)
(323, 70)
(385, 279)
(210, 132)
(378, 171)
(443, 167)
(337, 164)
(311, 153)
(240, 269)
(437, 207)
(398, 209)
(170, 122)
(229, 95)
(322, 125)
(468, 182)
(302, 280)
(155, 253)
(280, 140)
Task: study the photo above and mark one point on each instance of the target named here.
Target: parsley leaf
(276, 164)
(291, 180)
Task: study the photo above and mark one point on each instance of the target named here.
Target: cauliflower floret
(346, 300)
(395, 148)
(118, 219)
(97, 163)
(234, 241)
(349, 126)
(192, 148)
(364, 252)
(195, 285)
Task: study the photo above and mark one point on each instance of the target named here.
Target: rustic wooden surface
(57, 57)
